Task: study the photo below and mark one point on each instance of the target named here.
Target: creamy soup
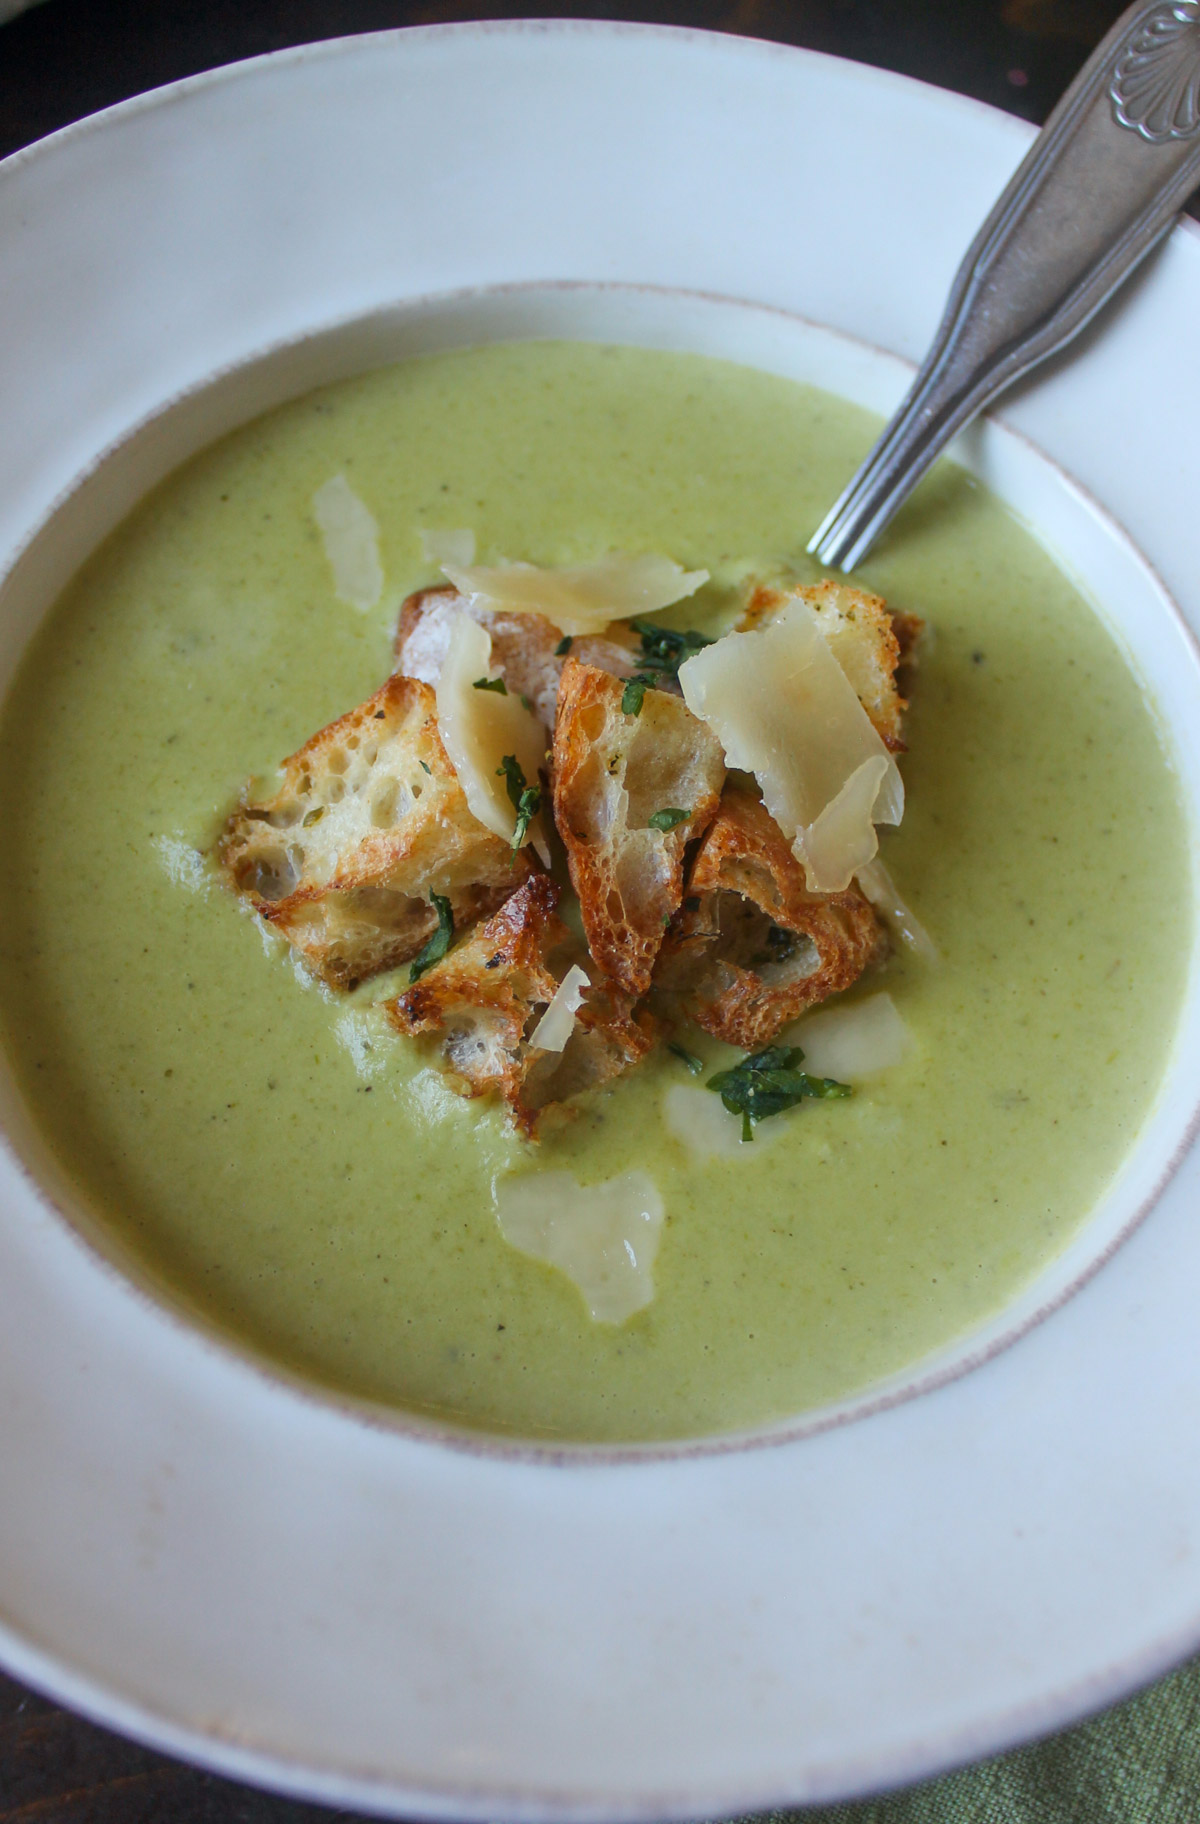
(309, 1183)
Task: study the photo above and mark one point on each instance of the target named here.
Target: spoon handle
(1100, 186)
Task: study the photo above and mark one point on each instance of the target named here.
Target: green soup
(309, 1183)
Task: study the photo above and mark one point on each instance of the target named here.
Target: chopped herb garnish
(769, 1081)
(496, 684)
(663, 652)
(564, 646)
(631, 697)
(526, 703)
(526, 799)
(438, 943)
(668, 818)
(694, 1064)
(426, 768)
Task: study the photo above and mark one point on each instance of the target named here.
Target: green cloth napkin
(1137, 1764)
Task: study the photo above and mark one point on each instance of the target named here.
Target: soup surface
(309, 1183)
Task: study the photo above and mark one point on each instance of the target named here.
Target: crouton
(868, 642)
(751, 947)
(614, 776)
(486, 999)
(524, 647)
(368, 823)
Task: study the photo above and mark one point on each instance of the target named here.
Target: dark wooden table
(66, 58)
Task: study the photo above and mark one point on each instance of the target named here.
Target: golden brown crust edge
(734, 976)
(368, 823)
(484, 1000)
(612, 773)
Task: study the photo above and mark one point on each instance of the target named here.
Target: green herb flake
(669, 818)
(694, 1064)
(525, 799)
(525, 703)
(631, 697)
(769, 1081)
(664, 650)
(426, 768)
(563, 647)
(496, 684)
(438, 942)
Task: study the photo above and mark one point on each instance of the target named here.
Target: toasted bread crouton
(488, 995)
(524, 647)
(613, 774)
(751, 947)
(867, 641)
(368, 823)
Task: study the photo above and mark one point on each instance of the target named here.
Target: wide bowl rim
(224, 1745)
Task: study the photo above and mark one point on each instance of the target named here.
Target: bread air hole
(271, 874)
(749, 939)
(467, 1045)
(383, 804)
(367, 910)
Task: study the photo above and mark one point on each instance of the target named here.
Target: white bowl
(198, 1552)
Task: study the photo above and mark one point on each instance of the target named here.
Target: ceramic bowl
(221, 1562)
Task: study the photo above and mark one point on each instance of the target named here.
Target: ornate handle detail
(1156, 84)
(1098, 189)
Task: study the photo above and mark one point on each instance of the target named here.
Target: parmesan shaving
(351, 538)
(879, 887)
(450, 547)
(479, 727)
(700, 1122)
(842, 839)
(558, 1022)
(604, 1237)
(852, 1042)
(784, 710)
(582, 599)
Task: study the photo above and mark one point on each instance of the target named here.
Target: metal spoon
(1100, 187)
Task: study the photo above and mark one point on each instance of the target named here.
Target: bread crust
(612, 773)
(368, 823)
(486, 997)
(869, 642)
(524, 646)
(751, 948)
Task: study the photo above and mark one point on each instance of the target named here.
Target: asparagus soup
(285, 1164)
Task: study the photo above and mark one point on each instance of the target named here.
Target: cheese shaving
(879, 887)
(456, 546)
(351, 539)
(558, 1022)
(852, 1042)
(604, 1237)
(585, 598)
(842, 839)
(700, 1122)
(480, 727)
(784, 710)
